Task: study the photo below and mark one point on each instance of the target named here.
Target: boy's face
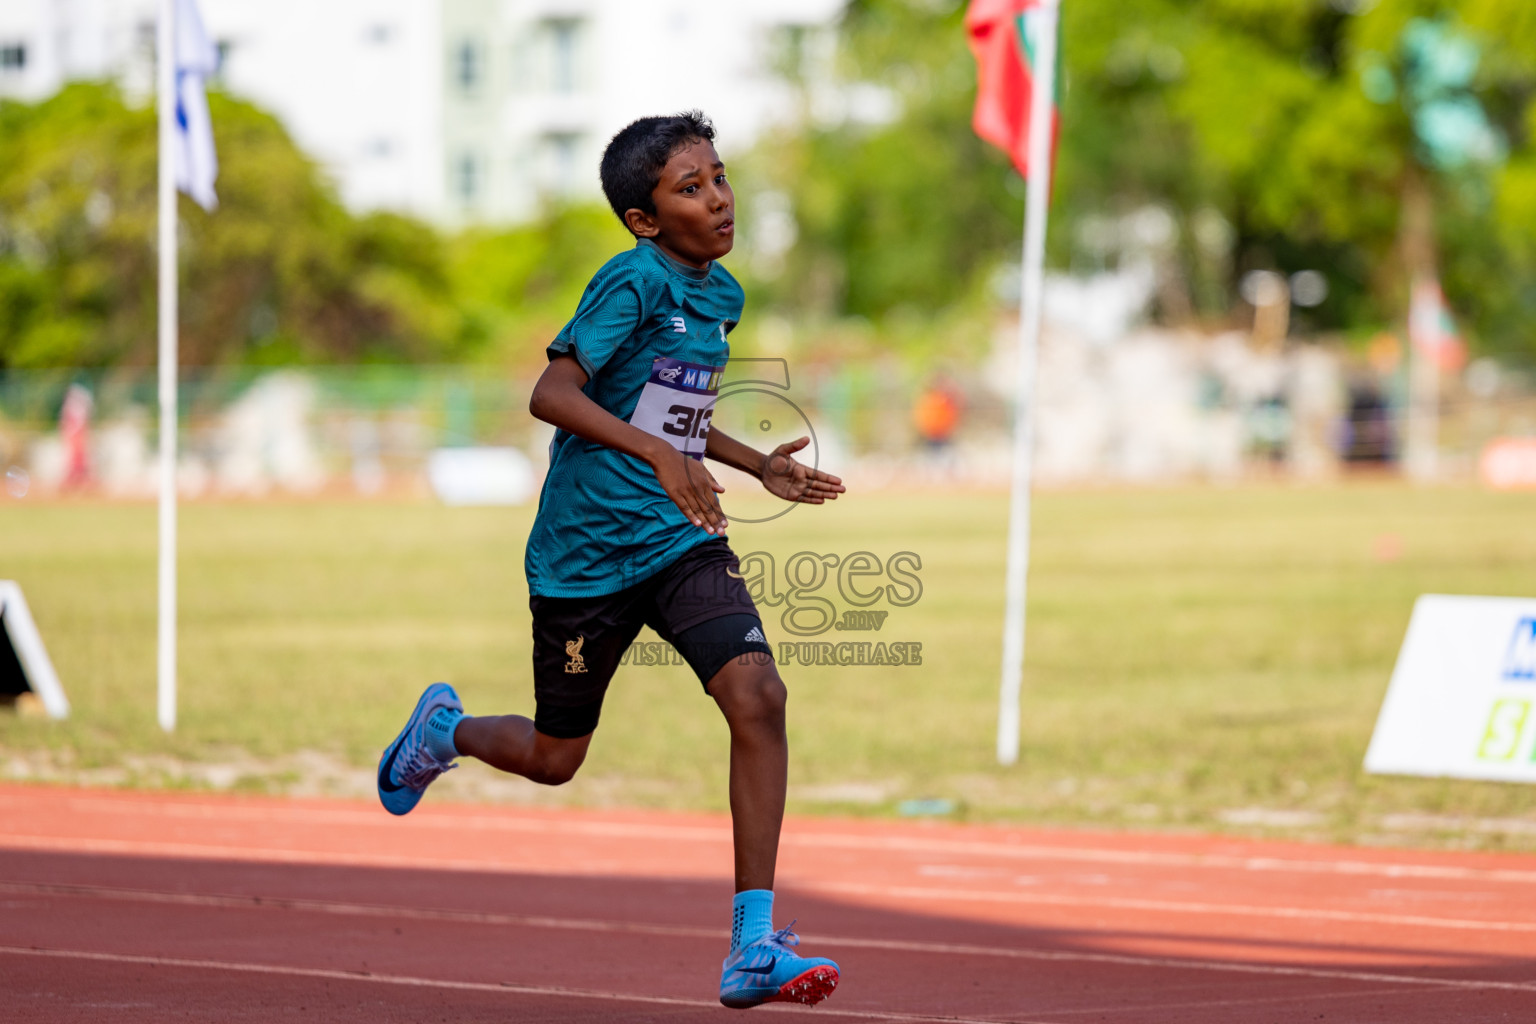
(695, 218)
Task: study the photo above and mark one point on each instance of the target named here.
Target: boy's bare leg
(752, 698)
(512, 744)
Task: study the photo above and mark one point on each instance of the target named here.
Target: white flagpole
(1035, 206)
(166, 74)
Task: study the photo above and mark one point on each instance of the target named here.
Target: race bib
(677, 404)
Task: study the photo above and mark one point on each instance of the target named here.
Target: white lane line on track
(1291, 1001)
(1165, 906)
(461, 986)
(847, 841)
(319, 858)
(338, 908)
(675, 931)
(807, 885)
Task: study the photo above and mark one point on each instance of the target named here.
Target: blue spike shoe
(408, 766)
(769, 971)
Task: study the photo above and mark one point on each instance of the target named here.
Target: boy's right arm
(558, 400)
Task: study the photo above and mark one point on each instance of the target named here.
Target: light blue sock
(751, 917)
(439, 732)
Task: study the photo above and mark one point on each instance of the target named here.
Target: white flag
(196, 60)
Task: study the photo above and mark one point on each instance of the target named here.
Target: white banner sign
(1463, 696)
(19, 632)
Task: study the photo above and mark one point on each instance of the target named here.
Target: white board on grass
(18, 629)
(1462, 701)
(20, 634)
(481, 476)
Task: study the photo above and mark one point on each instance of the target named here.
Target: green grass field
(1197, 658)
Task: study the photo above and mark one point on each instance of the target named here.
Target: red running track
(148, 907)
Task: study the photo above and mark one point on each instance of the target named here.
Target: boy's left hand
(795, 481)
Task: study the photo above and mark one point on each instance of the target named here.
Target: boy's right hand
(692, 489)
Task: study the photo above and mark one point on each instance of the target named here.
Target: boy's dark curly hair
(634, 159)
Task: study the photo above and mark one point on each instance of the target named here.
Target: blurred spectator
(936, 414)
(75, 434)
(1269, 428)
(1368, 436)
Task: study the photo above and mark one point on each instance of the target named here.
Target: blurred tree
(1280, 134)
(280, 272)
(899, 212)
(518, 286)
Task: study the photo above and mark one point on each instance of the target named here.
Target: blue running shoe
(768, 971)
(407, 767)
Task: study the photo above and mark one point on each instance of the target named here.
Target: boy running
(629, 532)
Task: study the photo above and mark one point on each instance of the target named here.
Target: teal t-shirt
(651, 334)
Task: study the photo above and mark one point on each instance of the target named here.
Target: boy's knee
(758, 696)
(558, 766)
(772, 694)
(553, 775)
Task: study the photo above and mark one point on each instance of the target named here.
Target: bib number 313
(677, 404)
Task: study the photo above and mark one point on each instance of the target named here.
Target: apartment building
(459, 111)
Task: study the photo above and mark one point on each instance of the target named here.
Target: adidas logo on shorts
(755, 635)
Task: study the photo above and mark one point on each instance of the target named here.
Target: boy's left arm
(782, 475)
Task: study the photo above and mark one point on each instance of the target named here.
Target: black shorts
(698, 604)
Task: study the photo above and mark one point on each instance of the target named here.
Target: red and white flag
(1004, 39)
